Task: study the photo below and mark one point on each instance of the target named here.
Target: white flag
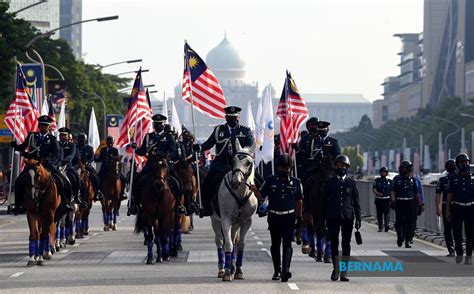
(164, 109)
(45, 107)
(62, 116)
(249, 120)
(268, 132)
(174, 122)
(259, 127)
(93, 137)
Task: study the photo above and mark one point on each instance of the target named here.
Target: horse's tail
(140, 223)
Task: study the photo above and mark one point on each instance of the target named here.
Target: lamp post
(458, 128)
(120, 62)
(96, 96)
(128, 89)
(133, 71)
(29, 6)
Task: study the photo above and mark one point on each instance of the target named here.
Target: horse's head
(160, 170)
(38, 178)
(242, 165)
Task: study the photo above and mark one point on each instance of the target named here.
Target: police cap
(322, 124)
(406, 163)
(450, 164)
(45, 120)
(383, 169)
(159, 118)
(342, 158)
(232, 110)
(462, 157)
(64, 131)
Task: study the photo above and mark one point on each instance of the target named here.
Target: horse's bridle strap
(240, 202)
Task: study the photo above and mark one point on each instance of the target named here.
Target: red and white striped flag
(292, 112)
(22, 115)
(201, 83)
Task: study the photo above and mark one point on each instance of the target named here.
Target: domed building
(229, 67)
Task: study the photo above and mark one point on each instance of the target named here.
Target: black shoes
(407, 245)
(276, 276)
(133, 210)
(468, 260)
(334, 275)
(285, 276)
(450, 254)
(205, 211)
(459, 259)
(344, 277)
(181, 210)
(387, 229)
(380, 230)
(327, 259)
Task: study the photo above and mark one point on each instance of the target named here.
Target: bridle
(37, 190)
(243, 201)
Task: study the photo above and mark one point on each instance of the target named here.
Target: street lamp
(128, 89)
(29, 6)
(96, 96)
(133, 71)
(450, 134)
(120, 62)
(466, 115)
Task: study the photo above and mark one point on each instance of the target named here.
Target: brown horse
(41, 199)
(313, 223)
(157, 217)
(185, 173)
(111, 187)
(87, 193)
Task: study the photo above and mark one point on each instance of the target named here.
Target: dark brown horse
(111, 187)
(41, 199)
(313, 222)
(157, 217)
(185, 173)
(87, 193)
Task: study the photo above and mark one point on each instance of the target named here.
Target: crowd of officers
(282, 192)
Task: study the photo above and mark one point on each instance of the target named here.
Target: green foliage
(16, 33)
(357, 160)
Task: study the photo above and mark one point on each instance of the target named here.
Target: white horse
(237, 205)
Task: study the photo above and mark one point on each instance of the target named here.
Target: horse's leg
(164, 238)
(159, 251)
(176, 239)
(63, 231)
(116, 207)
(228, 247)
(104, 214)
(219, 239)
(46, 221)
(307, 233)
(85, 220)
(149, 244)
(57, 237)
(52, 237)
(33, 239)
(239, 275)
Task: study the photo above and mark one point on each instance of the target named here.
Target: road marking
(64, 251)
(95, 234)
(123, 219)
(16, 275)
(256, 237)
(293, 286)
(119, 222)
(259, 242)
(252, 233)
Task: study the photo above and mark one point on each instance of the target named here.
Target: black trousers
(210, 187)
(383, 212)
(344, 226)
(281, 228)
(463, 215)
(404, 219)
(448, 230)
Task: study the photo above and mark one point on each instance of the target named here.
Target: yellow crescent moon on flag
(113, 122)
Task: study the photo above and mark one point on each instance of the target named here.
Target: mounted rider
(42, 146)
(85, 154)
(223, 137)
(108, 154)
(156, 145)
(68, 154)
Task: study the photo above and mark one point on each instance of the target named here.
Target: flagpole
(291, 125)
(12, 162)
(132, 168)
(194, 127)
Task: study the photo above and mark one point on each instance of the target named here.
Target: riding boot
(82, 203)
(133, 209)
(285, 270)
(276, 258)
(335, 271)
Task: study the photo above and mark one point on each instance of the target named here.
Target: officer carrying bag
(358, 237)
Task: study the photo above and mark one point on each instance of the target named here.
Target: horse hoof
(174, 253)
(114, 227)
(86, 232)
(57, 248)
(239, 275)
(31, 263)
(71, 241)
(106, 228)
(110, 226)
(159, 260)
(227, 277)
(149, 260)
(220, 274)
(180, 247)
(48, 255)
(305, 249)
(166, 258)
(40, 263)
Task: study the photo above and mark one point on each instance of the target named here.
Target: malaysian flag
(33, 73)
(137, 118)
(204, 90)
(292, 112)
(22, 114)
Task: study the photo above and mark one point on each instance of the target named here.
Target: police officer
(340, 208)
(43, 146)
(106, 155)
(404, 192)
(161, 143)
(460, 207)
(223, 137)
(85, 154)
(285, 196)
(68, 155)
(442, 187)
(381, 188)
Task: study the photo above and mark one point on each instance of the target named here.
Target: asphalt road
(114, 262)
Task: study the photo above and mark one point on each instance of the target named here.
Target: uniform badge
(221, 134)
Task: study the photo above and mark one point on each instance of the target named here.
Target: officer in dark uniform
(85, 154)
(43, 146)
(442, 188)
(460, 207)
(404, 192)
(223, 137)
(107, 154)
(160, 143)
(381, 188)
(316, 146)
(68, 155)
(285, 196)
(340, 208)
(186, 145)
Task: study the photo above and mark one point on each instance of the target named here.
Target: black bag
(358, 237)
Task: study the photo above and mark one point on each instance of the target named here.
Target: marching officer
(224, 138)
(404, 192)
(43, 146)
(68, 155)
(442, 188)
(285, 196)
(340, 208)
(159, 142)
(460, 207)
(381, 188)
(85, 154)
(106, 155)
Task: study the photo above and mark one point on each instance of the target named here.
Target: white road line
(123, 219)
(293, 286)
(64, 251)
(16, 275)
(256, 237)
(259, 242)
(95, 234)
(252, 233)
